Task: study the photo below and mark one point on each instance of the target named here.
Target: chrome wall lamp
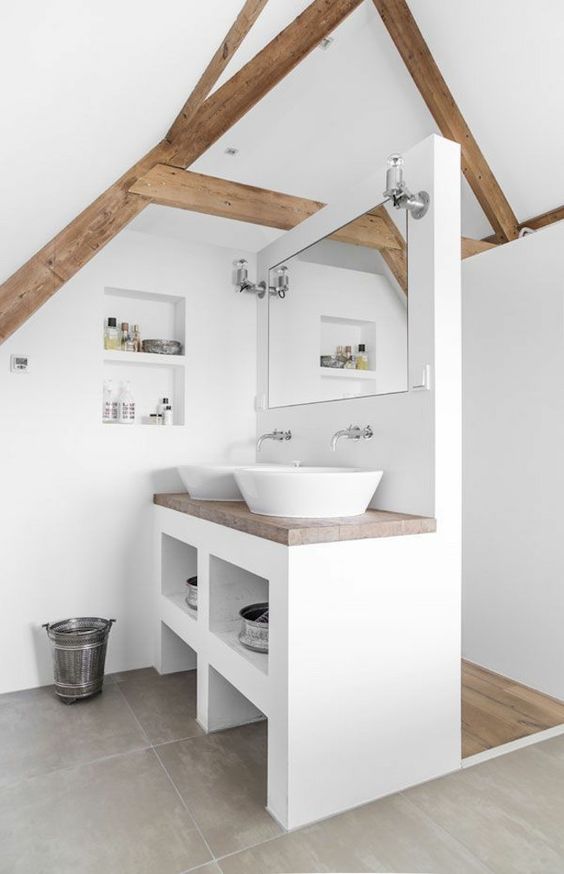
(398, 192)
(281, 282)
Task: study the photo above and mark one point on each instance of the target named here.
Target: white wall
(75, 515)
(513, 553)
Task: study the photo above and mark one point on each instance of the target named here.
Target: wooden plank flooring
(496, 710)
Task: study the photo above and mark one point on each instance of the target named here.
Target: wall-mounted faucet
(353, 432)
(274, 435)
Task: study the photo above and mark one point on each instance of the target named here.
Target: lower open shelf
(179, 600)
(230, 637)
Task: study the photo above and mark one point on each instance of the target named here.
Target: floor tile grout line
(155, 748)
(132, 711)
(71, 766)
(173, 784)
(446, 831)
(177, 740)
(184, 803)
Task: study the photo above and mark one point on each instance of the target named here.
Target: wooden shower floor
(496, 710)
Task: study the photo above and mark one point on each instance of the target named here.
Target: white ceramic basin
(307, 492)
(210, 482)
(215, 482)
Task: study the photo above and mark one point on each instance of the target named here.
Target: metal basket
(79, 655)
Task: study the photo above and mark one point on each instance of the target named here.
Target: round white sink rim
(210, 482)
(293, 468)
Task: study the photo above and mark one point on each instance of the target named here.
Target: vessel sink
(210, 482)
(307, 492)
(213, 482)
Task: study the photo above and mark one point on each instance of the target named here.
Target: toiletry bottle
(136, 338)
(126, 406)
(127, 341)
(124, 336)
(349, 361)
(107, 404)
(362, 357)
(111, 334)
(167, 415)
(161, 407)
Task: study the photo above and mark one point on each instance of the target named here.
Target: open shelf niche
(152, 376)
(179, 561)
(231, 589)
(337, 331)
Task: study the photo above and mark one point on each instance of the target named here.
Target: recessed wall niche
(152, 376)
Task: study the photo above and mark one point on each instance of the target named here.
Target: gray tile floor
(127, 782)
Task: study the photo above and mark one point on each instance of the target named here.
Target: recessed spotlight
(231, 151)
(326, 42)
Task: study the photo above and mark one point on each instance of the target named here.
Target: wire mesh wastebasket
(79, 655)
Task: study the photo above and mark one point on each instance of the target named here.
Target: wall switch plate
(19, 363)
(260, 403)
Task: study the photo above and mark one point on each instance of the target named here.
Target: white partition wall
(417, 433)
(513, 347)
(417, 443)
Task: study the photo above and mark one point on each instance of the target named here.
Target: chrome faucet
(275, 435)
(353, 432)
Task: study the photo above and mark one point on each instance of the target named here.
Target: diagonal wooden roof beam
(226, 106)
(40, 277)
(544, 219)
(409, 41)
(233, 39)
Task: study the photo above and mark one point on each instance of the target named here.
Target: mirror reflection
(340, 329)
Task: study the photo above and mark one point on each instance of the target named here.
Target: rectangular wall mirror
(340, 331)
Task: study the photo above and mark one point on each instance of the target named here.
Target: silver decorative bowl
(254, 633)
(162, 347)
(192, 592)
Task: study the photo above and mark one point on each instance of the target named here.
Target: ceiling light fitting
(280, 287)
(398, 192)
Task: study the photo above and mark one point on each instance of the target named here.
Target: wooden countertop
(298, 532)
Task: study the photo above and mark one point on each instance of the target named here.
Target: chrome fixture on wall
(280, 287)
(353, 432)
(274, 435)
(398, 192)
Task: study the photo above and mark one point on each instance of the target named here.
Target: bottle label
(127, 412)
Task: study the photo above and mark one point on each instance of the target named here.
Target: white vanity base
(361, 687)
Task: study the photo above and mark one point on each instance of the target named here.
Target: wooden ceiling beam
(226, 106)
(474, 247)
(544, 219)
(409, 41)
(40, 277)
(233, 39)
(197, 192)
(184, 189)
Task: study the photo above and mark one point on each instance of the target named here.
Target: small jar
(192, 592)
(156, 418)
